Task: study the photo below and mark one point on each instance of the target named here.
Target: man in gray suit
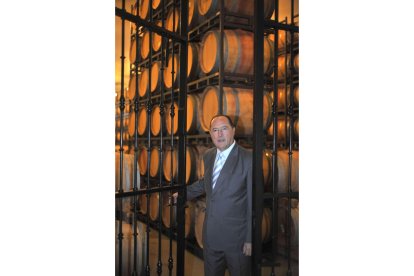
(227, 183)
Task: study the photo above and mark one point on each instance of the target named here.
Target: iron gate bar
(221, 57)
(182, 115)
(136, 109)
(151, 26)
(149, 110)
(121, 150)
(258, 37)
(290, 112)
(159, 264)
(275, 167)
(172, 114)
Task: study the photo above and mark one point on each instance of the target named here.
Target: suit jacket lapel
(227, 168)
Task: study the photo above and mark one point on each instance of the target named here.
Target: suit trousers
(216, 262)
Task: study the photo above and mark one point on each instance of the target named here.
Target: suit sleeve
(249, 206)
(195, 189)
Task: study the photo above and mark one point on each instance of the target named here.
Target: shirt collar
(227, 151)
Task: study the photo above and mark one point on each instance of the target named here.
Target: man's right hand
(175, 195)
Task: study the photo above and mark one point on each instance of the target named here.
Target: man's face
(222, 133)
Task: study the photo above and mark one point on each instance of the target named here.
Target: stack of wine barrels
(149, 77)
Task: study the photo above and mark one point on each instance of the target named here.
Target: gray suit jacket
(228, 217)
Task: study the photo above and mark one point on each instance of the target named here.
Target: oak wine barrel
(168, 121)
(283, 170)
(154, 206)
(156, 121)
(133, 51)
(142, 122)
(155, 162)
(155, 76)
(125, 136)
(283, 129)
(173, 17)
(142, 160)
(237, 103)
(296, 63)
(284, 67)
(285, 10)
(193, 66)
(118, 147)
(268, 54)
(193, 14)
(156, 38)
(296, 95)
(124, 123)
(171, 80)
(267, 169)
(166, 216)
(237, 52)
(283, 38)
(281, 96)
(191, 163)
(193, 111)
(128, 104)
(145, 44)
(143, 10)
(143, 80)
(156, 4)
(132, 85)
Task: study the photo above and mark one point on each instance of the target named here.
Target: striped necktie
(217, 168)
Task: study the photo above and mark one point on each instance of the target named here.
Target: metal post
(258, 27)
(182, 115)
(221, 56)
(121, 150)
(275, 167)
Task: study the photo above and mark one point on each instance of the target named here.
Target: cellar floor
(193, 264)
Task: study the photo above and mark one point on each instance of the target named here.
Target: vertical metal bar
(172, 114)
(258, 27)
(221, 57)
(121, 150)
(275, 167)
(182, 115)
(136, 175)
(290, 112)
(159, 263)
(149, 110)
(160, 198)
